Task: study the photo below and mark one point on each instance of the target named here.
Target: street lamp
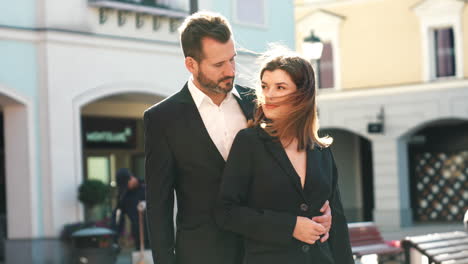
(193, 6)
(312, 47)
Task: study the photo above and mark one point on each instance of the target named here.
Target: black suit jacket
(261, 196)
(181, 156)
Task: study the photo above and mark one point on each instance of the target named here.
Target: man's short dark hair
(202, 25)
(122, 177)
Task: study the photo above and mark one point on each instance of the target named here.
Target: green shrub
(93, 192)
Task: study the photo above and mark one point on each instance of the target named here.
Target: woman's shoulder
(254, 132)
(252, 135)
(247, 134)
(326, 152)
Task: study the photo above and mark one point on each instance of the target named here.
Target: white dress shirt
(222, 122)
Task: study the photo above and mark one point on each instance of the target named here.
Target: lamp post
(312, 47)
(193, 6)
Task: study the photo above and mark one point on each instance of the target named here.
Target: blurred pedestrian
(131, 194)
(465, 220)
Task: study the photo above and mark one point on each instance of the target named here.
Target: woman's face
(276, 85)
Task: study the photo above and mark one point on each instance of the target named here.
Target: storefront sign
(100, 132)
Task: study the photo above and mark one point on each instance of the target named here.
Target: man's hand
(325, 220)
(307, 230)
(141, 206)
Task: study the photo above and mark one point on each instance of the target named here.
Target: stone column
(392, 204)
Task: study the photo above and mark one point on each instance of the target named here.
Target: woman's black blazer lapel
(314, 171)
(317, 176)
(279, 154)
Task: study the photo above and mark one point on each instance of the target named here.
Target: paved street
(52, 251)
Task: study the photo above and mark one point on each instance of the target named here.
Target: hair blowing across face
(202, 25)
(301, 120)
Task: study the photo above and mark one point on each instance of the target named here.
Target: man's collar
(198, 96)
(196, 93)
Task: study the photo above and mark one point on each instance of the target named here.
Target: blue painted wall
(279, 25)
(18, 13)
(18, 67)
(18, 71)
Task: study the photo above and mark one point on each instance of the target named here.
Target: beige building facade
(393, 92)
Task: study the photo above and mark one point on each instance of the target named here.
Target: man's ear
(191, 64)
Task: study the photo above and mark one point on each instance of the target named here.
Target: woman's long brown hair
(301, 121)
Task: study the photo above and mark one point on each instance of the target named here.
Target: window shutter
(445, 52)
(326, 76)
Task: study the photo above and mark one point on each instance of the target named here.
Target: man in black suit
(187, 139)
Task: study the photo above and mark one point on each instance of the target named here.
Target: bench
(366, 239)
(439, 248)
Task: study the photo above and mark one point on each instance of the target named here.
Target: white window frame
(243, 23)
(329, 3)
(436, 14)
(326, 26)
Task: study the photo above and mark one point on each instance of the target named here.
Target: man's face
(216, 70)
(132, 183)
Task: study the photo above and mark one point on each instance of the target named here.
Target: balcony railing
(140, 6)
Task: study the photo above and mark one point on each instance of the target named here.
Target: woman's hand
(307, 230)
(325, 220)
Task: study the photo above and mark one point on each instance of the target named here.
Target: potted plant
(92, 193)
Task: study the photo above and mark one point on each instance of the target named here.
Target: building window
(444, 52)
(441, 30)
(251, 12)
(98, 168)
(165, 3)
(325, 67)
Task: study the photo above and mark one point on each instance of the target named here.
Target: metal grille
(441, 186)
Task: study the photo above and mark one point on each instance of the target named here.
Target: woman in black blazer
(279, 173)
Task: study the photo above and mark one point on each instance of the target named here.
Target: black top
(261, 196)
(129, 206)
(129, 202)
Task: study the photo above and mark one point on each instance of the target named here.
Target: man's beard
(215, 87)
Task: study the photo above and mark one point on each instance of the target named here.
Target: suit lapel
(279, 154)
(194, 124)
(246, 101)
(183, 96)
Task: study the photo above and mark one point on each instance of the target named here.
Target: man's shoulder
(164, 107)
(243, 88)
(245, 92)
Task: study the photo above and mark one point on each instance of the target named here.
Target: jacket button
(304, 207)
(305, 248)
